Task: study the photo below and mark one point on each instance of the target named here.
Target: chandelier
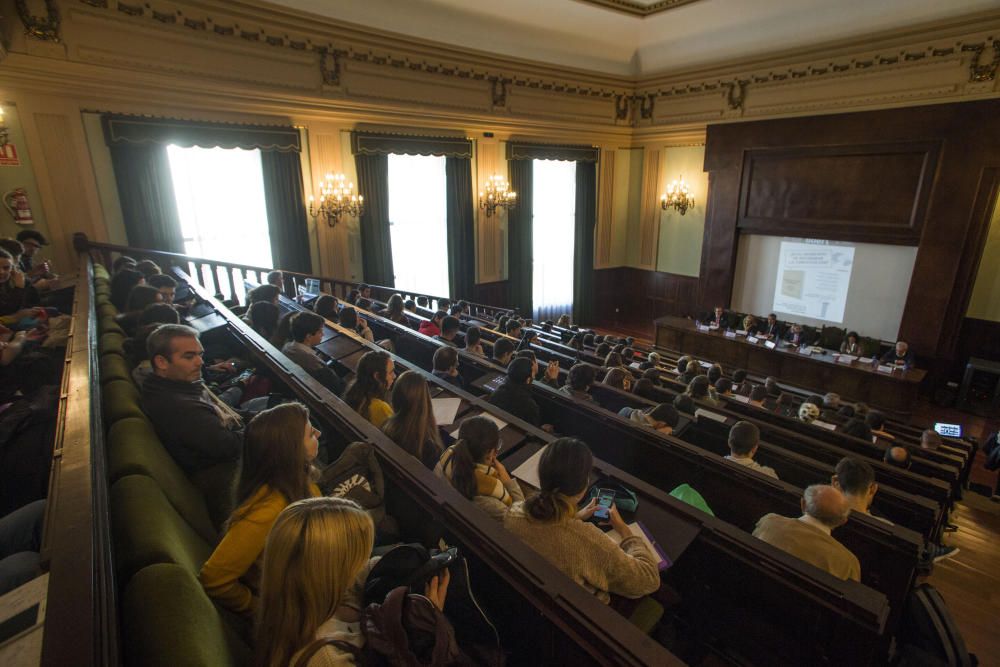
(496, 195)
(677, 196)
(336, 198)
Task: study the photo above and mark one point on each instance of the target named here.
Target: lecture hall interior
(607, 332)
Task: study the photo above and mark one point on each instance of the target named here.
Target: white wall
(876, 297)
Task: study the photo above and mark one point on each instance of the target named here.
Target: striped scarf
(487, 482)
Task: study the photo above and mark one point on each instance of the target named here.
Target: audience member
(445, 364)
(208, 441)
(327, 307)
(410, 306)
(121, 285)
(472, 467)
(503, 350)
(394, 310)
(578, 382)
(151, 317)
(846, 410)
(473, 342)
(808, 412)
(785, 405)
(714, 374)
(899, 457)
(602, 350)
(653, 375)
(268, 293)
(38, 274)
(353, 296)
(166, 285)
(857, 428)
(276, 278)
(140, 297)
(449, 330)
(122, 262)
(757, 395)
(367, 392)
(700, 389)
(432, 327)
(551, 374)
(307, 333)
(263, 318)
(876, 422)
(930, 440)
(684, 403)
(147, 268)
(20, 545)
(662, 417)
(349, 320)
(856, 480)
(772, 387)
(279, 447)
(682, 364)
(550, 523)
(563, 321)
(744, 439)
(644, 388)
(513, 328)
(808, 537)
(618, 378)
(723, 387)
(514, 394)
(412, 425)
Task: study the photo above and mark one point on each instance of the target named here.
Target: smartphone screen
(604, 501)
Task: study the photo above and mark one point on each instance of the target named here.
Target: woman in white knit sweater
(550, 523)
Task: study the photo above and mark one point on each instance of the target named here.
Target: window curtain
(286, 216)
(583, 261)
(519, 237)
(461, 216)
(146, 193)
(376, 243)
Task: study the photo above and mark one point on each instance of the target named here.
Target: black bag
(929, 634)
(357, 476)
(991, 448)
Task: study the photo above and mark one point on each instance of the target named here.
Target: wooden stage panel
(859, 382)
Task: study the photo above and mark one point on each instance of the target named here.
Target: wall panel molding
(605, 210)
(649, 221)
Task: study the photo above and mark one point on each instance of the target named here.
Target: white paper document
(527, 472)
(499, 422)
(445, 410)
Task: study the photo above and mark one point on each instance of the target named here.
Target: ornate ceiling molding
(641, 9)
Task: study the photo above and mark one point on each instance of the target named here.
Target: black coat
(516, 399)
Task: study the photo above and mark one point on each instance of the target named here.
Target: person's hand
(437, 589)
(548, 428)
(617, 523)
(552, 370)
(502, 473)
(587, 511)
(18, 278)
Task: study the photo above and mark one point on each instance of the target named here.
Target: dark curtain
(146, 192)
(376, 246)
(461, 214)
(519, 238)
(583, 260)
(286, 217)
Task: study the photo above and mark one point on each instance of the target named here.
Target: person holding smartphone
(550, 523)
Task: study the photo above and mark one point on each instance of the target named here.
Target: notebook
(445, 410)
(640, 530)
(527, 472)
(499, 422)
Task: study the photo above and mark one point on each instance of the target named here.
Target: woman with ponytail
(472, 467)
(550, 523)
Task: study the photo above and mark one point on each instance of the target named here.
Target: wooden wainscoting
(492, 294)
(627, 298)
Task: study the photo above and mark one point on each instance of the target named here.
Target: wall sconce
(336, 198)
(678, 196)
(4, 132)
(496, 195)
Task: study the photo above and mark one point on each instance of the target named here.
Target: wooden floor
(969, 582)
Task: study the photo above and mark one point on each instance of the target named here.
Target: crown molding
(638, 8)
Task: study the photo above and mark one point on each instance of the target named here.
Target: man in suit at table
(719, 318)
(899, 356)
(795, 335)
(770, 329)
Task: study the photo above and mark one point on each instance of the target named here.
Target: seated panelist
(770, 329)
(795, 335)
(899, 356)
(851, 345)
(719, 318)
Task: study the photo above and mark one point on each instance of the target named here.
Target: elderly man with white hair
(899, 356)
(808, 537)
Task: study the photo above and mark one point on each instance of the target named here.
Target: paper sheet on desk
(640, 530)
(499, 422)
(445, 410)
(527, 472)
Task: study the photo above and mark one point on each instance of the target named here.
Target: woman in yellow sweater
(367, 392)
(279, 447)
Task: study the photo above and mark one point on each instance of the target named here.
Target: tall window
(220, 200)
(418, 206)
(553, 221)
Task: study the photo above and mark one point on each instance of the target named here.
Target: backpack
(357, 476)
(406, 629)
(929, 633)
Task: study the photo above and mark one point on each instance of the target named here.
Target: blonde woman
(315, 564)
(279, 447)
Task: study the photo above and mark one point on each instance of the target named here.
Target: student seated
(367, 392)
(808, 537)
(653, 375)
(550, 523)
(785, 405)
(121, 285)
(503, 351)
(551, 374)
(930, 440)
(432, 327)
(394, 310)
(166, 285)
(349, 320)
(472, 467)
(327, 307)
(662, 417)
(473, 342)
(899, 457)
(772, 387)
(744, 439)
(263, 318)
(207, 441)
(307, 332)
(449, 330)
(151, 317)
(644, 388)
(514, 395)
(38, 273)
(563, 321)
(857, 428)
(446, 366)
(412, 425)
(876, 422)
(684, 403)
(316, 561)
(140, 297)
(856, 480)
(700, 389)
(602, 350)
(268, 293)
(276, 278)
(743, 386)
(808, 412)
(714, 374)
(513, 328)
(723, 387)
(20, 545)
(122, 262)
(279, 447)
(410, 306)
(618, 378)
(578, 382)
(757, 396)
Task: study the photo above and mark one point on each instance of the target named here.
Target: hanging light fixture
(336, 198)
(495, 194)
(678, 196)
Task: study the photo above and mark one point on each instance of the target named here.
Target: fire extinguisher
(16, 203)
